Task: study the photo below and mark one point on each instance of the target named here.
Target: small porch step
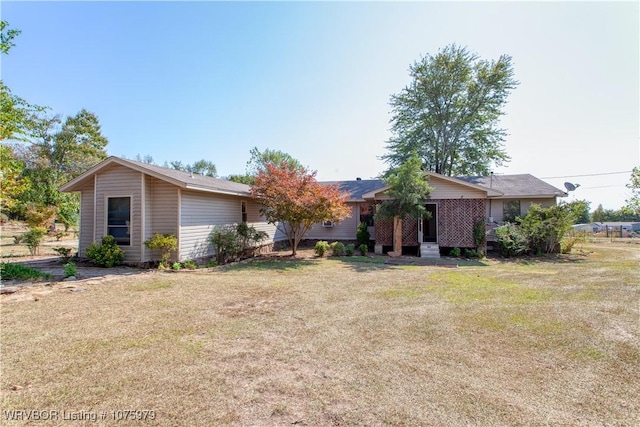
(429, 250)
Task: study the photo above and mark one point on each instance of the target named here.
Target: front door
(430, 225)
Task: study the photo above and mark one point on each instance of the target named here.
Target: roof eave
(217, 190)
(528, 196)
(78, 182)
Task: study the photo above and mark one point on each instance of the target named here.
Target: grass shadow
(279, 264)
(363, 264)
(573, 258)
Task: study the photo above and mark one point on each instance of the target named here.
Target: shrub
(69, 213)
(338, 249)
(33, 239)
(350, 249)
(165, 243)
(70, 269)
(107, 253)
(566, 245)
(479, 235)
(545, 227)
(321, 248)
(362, 234)
(18, 271)
(364, 249)
(65, 253)
(227, 242)
(212, 263)
(176, 266)
(249, 236)
(40, 216)
(190, 265)
(17, 239)
(231, 240)
(59, 235)
(455, 252)
(511, 240)
(471, 253)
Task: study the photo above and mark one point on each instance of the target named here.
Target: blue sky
(185, 81)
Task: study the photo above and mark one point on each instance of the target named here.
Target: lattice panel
(455, 221)
(455, 224)
(384, 232)
(410, 231)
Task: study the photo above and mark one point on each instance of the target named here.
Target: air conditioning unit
(328, 223)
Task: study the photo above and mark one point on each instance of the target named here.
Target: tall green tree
(633, 202)
(408, 190)
(12, 180)
(579, 209)
(258, 164)
(204, 167)
(15, 113)
(598, 214)
(57, 152)
(449, 114)
(201, 167)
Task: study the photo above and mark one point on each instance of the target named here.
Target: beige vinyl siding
(495, 206)
(254, 219)
(87, 233)
(525, 204)
(343, 230)
(443, 189)
(148, 215)
(199, 214)
(119, 181)
(161, 216)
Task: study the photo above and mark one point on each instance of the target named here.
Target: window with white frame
(119, 219)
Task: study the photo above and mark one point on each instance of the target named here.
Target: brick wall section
(455, 224)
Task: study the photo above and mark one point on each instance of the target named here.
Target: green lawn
(334, 342)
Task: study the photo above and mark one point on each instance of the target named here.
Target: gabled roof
(357, 188)
(522, 185)
(181, 179)
(498, 186)
(490, 192)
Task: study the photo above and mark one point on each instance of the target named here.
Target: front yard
(337, 342)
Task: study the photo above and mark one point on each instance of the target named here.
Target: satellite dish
(571, 187)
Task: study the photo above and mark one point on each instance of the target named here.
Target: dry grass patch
(327, 342)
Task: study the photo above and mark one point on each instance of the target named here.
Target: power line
(589, 174)
(602, 186)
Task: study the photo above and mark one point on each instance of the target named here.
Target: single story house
(131, 201)
(455, 204)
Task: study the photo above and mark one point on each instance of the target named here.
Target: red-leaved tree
(293, 200)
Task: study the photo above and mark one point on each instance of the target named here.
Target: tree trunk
(397, 237)
(293, 242)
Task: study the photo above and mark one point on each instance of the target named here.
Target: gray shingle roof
(357, 188)
(522, 185)
(195, 180)
(182, 179)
